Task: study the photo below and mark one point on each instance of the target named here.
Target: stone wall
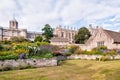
(93, 57)
(20, 64)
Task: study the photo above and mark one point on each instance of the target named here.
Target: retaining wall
(19, 64)
(93, 57)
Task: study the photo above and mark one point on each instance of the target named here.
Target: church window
(100, 43)
(62, 34)
(72, 35)
(69, 36)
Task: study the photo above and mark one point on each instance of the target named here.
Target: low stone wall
(92, 57)
(20, 64)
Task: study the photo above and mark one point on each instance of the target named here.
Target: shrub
(100, 48)
(111, 52)
(78, 51)
(96, 52)
(38, 38)
(42, 43)
(103, 47)
(5, 42)
(1, 47)
(5, 53)
(18, 39)
(73, 48)
(19, 51)
(104, 58)
(7, 57)
(7, 47)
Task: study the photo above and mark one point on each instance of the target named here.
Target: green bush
(95, 52)
(1, 47)
(42, 43)
(111, 52)
(5, 53)
(100, 48)
(104, 58)
(67, 53)
(73, 48)
(48, 55)
(5, 42)
(7, 57)
(78, 51)
(103, 47)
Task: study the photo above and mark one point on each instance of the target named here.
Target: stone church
(13, 30)
(63, 36)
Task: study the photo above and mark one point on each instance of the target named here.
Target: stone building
(102, 37)
(63, 36)
(13, 30)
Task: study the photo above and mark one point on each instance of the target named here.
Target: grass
(69, 70)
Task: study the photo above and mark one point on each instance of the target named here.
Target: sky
(34, 14)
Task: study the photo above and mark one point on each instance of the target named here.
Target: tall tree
(47, 32)
(82, 35)
(38, 38)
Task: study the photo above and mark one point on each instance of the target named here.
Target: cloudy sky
(34, 14)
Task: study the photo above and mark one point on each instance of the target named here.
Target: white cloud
(34, 14)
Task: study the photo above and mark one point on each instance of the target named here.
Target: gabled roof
(59, 39)
(114, 35)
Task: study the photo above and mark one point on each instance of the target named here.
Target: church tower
(13, 24)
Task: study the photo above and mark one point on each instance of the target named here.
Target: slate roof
(114, 35)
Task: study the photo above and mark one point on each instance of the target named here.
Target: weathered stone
(24, 63)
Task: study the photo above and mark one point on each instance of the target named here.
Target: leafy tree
(38, 38)
(82, 35)
(47, 32)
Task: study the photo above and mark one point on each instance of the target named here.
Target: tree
(82, 35)
(38, 38)
(47, 32)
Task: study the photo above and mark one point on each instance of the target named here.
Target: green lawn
(69, 70)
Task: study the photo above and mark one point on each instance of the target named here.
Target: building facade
(102, 37)
(13, 30)
(63, 36)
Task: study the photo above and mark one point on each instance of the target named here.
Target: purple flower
(21, 56)
(118, 51)
(105, 51)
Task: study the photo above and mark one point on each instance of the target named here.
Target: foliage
(73, 48)
(1, 47)
(18, 39)
(4, 53)
(95, 52)
(5, 42)
(111, 52)
(38, 38)
(49, 55)
(47, 32)
(7, 57)
(78, 51)
(104, 58)
(42, 43)
(42, 51)
(82, 35)
(103, 47)
(19, 51)
(100, 48)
